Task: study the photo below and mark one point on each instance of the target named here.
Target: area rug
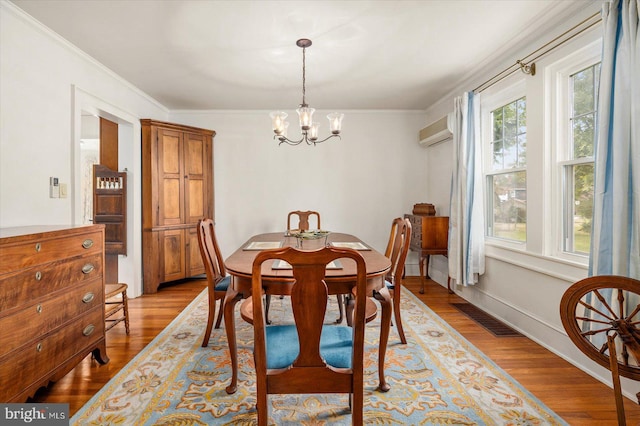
(438, 377)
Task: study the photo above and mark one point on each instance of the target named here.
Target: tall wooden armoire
(177, 191)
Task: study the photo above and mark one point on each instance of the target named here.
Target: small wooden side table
(429, 236)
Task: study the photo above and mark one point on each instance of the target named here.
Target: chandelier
(308, 127)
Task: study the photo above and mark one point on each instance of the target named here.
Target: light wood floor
(572, 394)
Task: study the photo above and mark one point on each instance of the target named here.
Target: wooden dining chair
(397, 250)
(303, 224)
(308, 356)
(217, 279)
(303, 219)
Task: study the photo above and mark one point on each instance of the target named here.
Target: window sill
(567, 270)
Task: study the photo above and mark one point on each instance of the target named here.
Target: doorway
(87, 110)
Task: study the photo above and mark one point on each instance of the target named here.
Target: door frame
(129, 159)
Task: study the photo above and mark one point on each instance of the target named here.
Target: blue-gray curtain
(615, 243)
(466, 218)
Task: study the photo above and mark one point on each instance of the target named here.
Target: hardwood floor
(574, 395)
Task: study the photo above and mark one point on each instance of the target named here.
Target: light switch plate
(63, 190)
(54, 188)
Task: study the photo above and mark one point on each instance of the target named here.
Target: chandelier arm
(284, 139)
(325, 139)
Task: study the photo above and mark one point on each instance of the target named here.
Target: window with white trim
(506, 174)
(573, 89)
(577, 169)
(538, 136)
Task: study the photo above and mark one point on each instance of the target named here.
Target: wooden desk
(429, 236)
(339, 281)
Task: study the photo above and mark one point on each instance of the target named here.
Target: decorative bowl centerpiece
(302, 235)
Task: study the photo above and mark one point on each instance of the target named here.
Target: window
(537, 135)
(507, 177)
(577, 170)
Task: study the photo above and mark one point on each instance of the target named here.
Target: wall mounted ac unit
(435, 132)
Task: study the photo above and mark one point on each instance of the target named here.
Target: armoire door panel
(196, 200)
(194, 258)
(170, 205)
(170, 152)
(174, 254)
(195, 152)
(170, 178)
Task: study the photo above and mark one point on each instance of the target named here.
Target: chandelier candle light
(308, 127)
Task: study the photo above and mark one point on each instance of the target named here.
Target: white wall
(45, 83)
(358, 183)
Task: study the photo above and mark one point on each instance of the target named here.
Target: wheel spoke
(586, 305)
(634, 313)
(621, 302)
(604, 302)
(594, 332)
(586, 319)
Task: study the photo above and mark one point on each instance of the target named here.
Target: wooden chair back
(303, 219)
(310, 369)
(217, 279)
(398, 247)
(210, 252)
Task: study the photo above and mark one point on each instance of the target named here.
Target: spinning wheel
(602, 318)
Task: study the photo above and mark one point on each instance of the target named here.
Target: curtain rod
(529, 67)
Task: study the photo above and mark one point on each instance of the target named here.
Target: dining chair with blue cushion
(308, 356)
(397, 250)
(217, 279)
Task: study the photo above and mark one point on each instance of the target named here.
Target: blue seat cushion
(336, 345)
(224, 284)
(389, 285)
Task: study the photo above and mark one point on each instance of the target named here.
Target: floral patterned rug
(438, 377)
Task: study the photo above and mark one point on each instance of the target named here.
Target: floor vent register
(495, 326)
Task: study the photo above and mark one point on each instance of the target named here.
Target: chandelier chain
(304, 80)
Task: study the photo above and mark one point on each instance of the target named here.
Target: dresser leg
(100, 353)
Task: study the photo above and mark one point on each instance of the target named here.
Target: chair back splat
(303, 220)
(309, 356)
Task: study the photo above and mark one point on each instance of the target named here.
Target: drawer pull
(38, 276)
(87, 268)
(38, 247)
(39, 309)
(88, 243)
(88, 298)
(39, 347)
(88, 330)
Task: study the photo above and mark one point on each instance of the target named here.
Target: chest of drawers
(429, 236)
(51, 304)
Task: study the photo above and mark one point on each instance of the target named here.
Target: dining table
(278, 281)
